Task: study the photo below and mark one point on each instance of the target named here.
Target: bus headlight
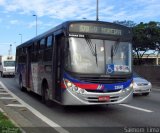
(78, 90)
(74, 88)
(69, 84)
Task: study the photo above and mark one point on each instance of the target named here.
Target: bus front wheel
(45, 95)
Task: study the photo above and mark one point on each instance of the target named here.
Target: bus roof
(64, 26)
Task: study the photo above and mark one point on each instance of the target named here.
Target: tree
(146, 37)
(127, 23)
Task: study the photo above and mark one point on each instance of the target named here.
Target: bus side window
(38, 46)
(48, 50)
(42, 43)
(35, 46)
(35, 52)
(24, 50)
(49, 41)
(32, 52)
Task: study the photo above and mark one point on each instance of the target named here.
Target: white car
(141, 85)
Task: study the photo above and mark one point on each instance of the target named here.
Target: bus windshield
(96, 56)
(9, 63)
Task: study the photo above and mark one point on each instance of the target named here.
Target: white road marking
(1, 110)
(4, 93)
(7, 98)
(51, 123)
(15, 105)
(2, 90)
(137, 108)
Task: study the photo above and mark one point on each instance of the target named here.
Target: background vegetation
(146, 39)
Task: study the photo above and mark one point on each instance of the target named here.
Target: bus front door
(57, 65)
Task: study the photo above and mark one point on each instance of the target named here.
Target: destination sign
(95, 29)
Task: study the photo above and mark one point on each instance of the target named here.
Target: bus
(78, 63)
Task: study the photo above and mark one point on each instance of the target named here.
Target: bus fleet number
(118, 87)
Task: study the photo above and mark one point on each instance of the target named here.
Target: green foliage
(146, 36)
(6, 125)
(4, 121)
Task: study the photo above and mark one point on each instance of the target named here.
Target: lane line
(15, 105)
(137, 108)
(7, 98)
(51, 123)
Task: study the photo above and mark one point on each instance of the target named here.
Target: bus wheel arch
(45, 93)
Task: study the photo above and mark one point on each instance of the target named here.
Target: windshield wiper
(114, 49)
(92, 48)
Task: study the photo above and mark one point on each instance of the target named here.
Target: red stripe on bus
(63, 86)
(87, 86)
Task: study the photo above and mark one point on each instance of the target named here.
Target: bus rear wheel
(21, 84)
(45, 95)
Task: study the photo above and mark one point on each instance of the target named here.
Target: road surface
(141, 114)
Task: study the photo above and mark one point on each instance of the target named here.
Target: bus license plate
(104, 98)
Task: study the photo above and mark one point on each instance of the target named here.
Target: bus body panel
(71, 99)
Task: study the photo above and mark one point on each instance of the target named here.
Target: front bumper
(8, 73)
(92, 98)
(142, 89)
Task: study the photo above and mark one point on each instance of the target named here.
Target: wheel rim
(46, 95)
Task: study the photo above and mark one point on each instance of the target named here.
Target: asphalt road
(142, 111)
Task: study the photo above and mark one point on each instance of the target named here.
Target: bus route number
(88, 29)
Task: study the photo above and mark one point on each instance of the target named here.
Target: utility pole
(36, 23)
(97, 11)
(10, 50)
(21, 38)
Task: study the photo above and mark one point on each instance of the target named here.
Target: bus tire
(2, 74)
(21, 84)
(45, 95)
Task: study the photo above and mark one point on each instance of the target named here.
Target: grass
(6, 125)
